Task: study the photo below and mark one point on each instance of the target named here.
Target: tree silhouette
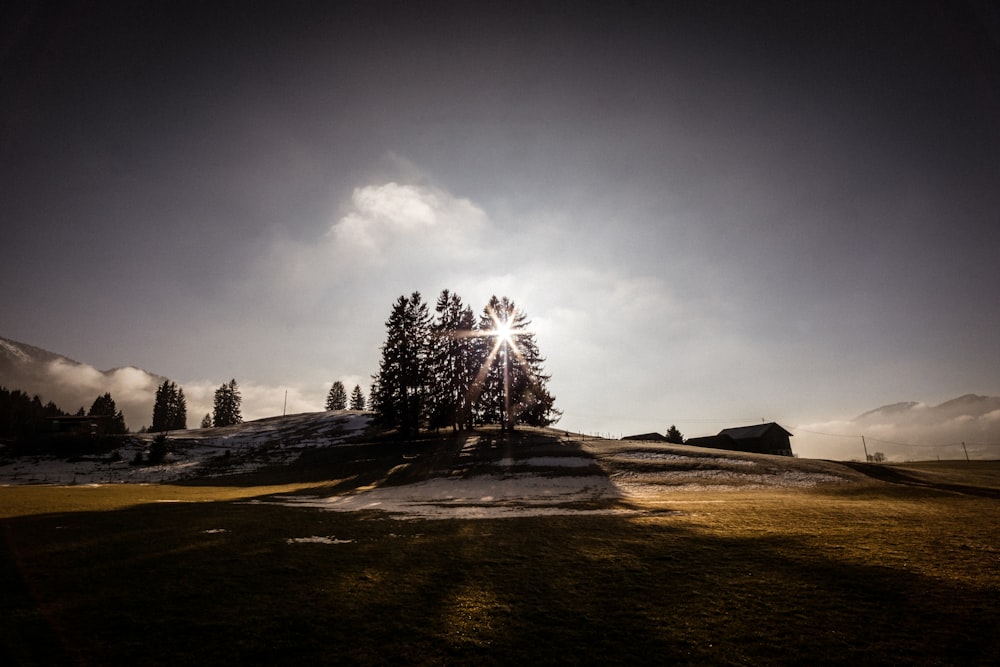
(336, 399)
(227, 405)
(456, 371)
(513, 385)
(169, 409)
(357, 398)
(674, 436)
(400, 387)
(454, 363)
(114, 421)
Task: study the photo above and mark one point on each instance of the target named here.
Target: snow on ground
(317, 539)
(209, 452)
(474, 497)
(593, 477)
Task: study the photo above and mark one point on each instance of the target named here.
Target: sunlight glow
(503, 332)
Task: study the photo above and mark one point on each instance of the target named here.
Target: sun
(503, 333)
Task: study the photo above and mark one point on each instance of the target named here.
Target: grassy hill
(539, 548)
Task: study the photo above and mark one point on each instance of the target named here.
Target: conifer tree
(513, 386)
(400, 388)
(674, 436)
(453, 362)
(336, 399)
(357, 398)
(114, 422)
(169, 409)
(227, 405)
(206, 421)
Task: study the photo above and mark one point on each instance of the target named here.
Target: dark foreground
(858, 574)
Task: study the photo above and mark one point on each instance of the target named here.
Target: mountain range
(967, 406)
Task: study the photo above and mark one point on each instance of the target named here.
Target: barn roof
(755, 431)
(646, 436)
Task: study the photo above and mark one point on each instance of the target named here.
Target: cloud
(390, 219)
(71, 385)
(910, 431)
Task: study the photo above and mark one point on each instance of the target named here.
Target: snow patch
(476, 497)
(548, 462)
(316, 539)
(210, 452)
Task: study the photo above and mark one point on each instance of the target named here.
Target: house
(72, 425)
(768, 438)
(651, 437)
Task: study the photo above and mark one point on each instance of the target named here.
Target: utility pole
(965, 450)
(865, 445)
(285, 406)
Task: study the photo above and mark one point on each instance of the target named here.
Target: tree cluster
(169, 409)
(336, 399)
(20, 413)
(455, 370)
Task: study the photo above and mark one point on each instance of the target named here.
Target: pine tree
(206, 421)
(180, 411)
(674, 436)
(453, 362)
(513, 385)
(170, 408)
(400, 390)
(336, 399)
(227, 405)
(357, 398)
(114, 421)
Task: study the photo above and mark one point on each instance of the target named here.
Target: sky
(712, 212)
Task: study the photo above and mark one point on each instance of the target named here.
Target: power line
(832, 435)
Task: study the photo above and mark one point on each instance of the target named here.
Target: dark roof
(646, 436)
(755, 431)
(713, 441)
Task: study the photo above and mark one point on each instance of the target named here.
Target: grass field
(859, 573)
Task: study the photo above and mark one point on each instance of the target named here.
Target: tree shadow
(220, 583)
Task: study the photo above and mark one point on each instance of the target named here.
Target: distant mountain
(71, 384)
(887, 410)
(964, 408)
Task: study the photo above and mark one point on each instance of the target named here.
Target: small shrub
(158, 452)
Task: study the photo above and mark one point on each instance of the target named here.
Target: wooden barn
(649, 437)
(769, 438)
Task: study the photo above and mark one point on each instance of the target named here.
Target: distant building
(654, 437)
(766, 438)
(72, 425)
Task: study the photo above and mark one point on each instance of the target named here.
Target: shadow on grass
(219, 583)
(392, 461)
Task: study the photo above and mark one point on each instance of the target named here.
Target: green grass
(852, 574)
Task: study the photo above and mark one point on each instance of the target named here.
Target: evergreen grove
(453, 370)
(447, 370)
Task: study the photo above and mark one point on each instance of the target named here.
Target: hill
(482, 473)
